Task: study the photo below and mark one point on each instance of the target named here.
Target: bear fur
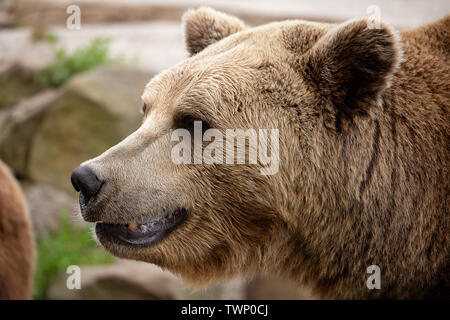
(16, 240)
(363, 118)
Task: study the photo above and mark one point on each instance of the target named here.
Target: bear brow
(198, 114)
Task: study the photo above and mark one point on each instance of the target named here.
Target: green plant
(50, 38)
(41, 33)
(68, 246)
(65, 66)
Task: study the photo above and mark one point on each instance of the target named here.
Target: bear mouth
(142, 234)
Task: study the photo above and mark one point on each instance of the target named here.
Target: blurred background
(68, 92)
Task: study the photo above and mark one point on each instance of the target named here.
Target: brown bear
(359, 205)
(16, 240)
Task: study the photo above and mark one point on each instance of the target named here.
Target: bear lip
(143, 234)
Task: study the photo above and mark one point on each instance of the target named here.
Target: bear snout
(85, 181)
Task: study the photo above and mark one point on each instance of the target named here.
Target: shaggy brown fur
(364, 157)
(16, 241)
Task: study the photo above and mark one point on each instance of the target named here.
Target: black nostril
(84, 180)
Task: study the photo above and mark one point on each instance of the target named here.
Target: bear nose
(84, 179)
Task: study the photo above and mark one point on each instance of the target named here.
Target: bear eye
(186, 121)
(144, 108)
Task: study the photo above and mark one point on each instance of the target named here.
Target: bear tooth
(132, 225)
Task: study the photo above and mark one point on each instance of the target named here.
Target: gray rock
(400, 13)
(271, 288)
(18, 125)
(16, 84)
(138, 280)
(234, 289)
(118, 281)
(46, 204)
(45, 137)
(152, 46)
(127, 279)
(6, 13)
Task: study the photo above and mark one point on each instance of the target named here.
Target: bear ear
(352, 64)
(204, 26)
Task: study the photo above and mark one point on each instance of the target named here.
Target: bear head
(295, 83)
